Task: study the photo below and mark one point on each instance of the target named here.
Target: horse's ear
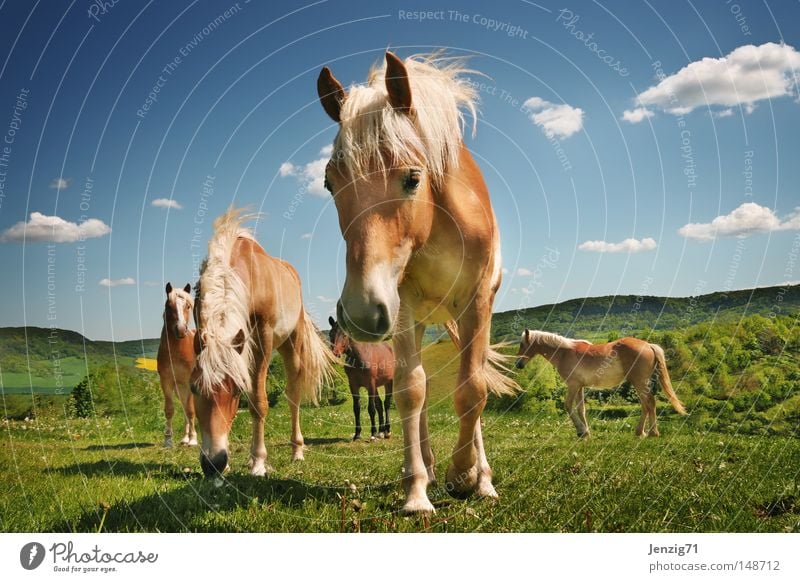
(527, 335)
(188, 288)
(238, 342)
(332, 321)
(397, 84)
(168, 288)
(331, 93)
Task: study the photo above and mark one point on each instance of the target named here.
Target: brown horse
(367, 366)
(422, 247)
(584, 364)
(247, 304)
(176, 360)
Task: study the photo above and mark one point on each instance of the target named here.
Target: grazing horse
(247, 304)
(584, 364)
(422, 247)
(368, 366)
(176, 360)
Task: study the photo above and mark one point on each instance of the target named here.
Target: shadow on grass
(325, 440)
(118, 447)
(113, 468)
(185, 508)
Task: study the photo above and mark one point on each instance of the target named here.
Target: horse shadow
(184, 508)
(325, 440)
(118, 447)
(110, 467)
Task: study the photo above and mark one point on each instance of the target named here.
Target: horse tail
(317, 362)
(224, 316)
(497, 367)
(666, 384)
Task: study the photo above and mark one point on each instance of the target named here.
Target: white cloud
(117, 282)
(723, 113)
(554, 120)
(60, 183)
(310, 175)
(746, 220)
(629, 245)
(746, 75)
(166, 203)
(324, 299)
(523, 272)
(42, 228)
(306, 236)
(637, 115)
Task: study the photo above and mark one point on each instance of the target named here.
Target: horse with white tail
(248, 303)
(422, 248)
(583, 364)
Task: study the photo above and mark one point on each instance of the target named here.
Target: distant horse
(422, 247)
(176, 360)
(584, 364)
(247, 304)
(368, 366)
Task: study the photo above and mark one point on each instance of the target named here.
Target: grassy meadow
(88, 457)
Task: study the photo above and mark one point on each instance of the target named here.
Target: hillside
(595, 317)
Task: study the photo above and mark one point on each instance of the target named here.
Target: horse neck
(357, 354)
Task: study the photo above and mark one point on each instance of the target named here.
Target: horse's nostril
(383, 323)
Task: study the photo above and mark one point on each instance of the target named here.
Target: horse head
(177, 308)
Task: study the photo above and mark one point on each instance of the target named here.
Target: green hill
(595, 318)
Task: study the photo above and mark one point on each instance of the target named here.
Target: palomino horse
(247, 304)
(422, 247)
(583, 364)
(176, 360)
(368, 366)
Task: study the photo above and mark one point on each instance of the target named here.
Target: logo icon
(31, 555)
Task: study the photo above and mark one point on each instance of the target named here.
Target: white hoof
(416, 505)
(298, 456)
(486, 489)
(192, 442)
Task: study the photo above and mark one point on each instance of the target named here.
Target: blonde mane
(373, 134)
(224, 310)
(553, 340)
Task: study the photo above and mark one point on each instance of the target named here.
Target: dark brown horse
(367, 366)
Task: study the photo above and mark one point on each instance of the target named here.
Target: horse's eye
(412, 181)
(327, 185)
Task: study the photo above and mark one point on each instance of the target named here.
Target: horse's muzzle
(371, 323)
(520, 363)
(215, 465)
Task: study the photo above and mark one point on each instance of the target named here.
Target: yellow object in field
(147, 364)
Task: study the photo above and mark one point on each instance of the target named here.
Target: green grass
(74, 475)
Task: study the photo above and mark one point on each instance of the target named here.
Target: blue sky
(132, 126)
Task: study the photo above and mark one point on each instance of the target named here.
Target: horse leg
(354, 392)
(650, 406)
(425, 441)
(167, 384)
(379, 410)
(466, 474)
(291, 352)
(640, 427)
(187, 401)
(372, 396)
(259, 407)
(573, 389)
(387, 404)
(410, 378)
(580, 402)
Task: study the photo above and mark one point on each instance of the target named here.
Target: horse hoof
(486, 490)
(418, 506)
(461, 484)
(373, 438)
(381, 435)
(298, 456)
(387, 435)
(584, 435)
(192, 443)
(357, 438)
